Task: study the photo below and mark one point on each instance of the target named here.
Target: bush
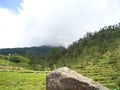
(14, 59)
(18, 58)
(3, 57)
(47, 69)
(38, 67)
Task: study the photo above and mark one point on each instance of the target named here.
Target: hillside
(14, 62)
(97, 56)
(36, 55)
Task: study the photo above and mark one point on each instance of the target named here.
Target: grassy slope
(96, 56)
(99, 71)
(8, 63)
(105, 70)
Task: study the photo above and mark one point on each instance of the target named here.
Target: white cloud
(10, 29)
(55, 22)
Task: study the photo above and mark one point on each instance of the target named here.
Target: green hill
(36, 55)
(97, 56)
(14, 62)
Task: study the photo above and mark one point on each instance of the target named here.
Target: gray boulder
(66, 79)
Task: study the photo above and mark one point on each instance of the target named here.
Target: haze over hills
(97, 56)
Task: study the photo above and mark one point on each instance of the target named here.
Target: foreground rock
(66, 79)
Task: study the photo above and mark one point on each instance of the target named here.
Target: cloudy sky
(53, 22)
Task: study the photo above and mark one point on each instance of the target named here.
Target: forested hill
(97, 43)
(94, 45)
(97, 56)
(27, 51)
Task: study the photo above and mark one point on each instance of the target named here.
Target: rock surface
(66, 79)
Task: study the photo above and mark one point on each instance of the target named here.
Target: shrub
(18, 58)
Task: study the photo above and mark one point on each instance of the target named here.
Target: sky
(26, 23)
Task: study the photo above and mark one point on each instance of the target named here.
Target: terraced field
(106, 77)
(13, 79)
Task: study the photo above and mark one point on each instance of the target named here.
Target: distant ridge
(37, 51)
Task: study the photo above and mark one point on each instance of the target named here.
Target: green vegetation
(15, 61)
(34, 55)
(22, 81)
(14, 74)
(36, 51)
(18, 59)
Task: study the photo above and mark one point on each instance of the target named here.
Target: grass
(105, 76)
(5, 62)
(22, 81)
(16, 76)
(100, 70)
(36, 80)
